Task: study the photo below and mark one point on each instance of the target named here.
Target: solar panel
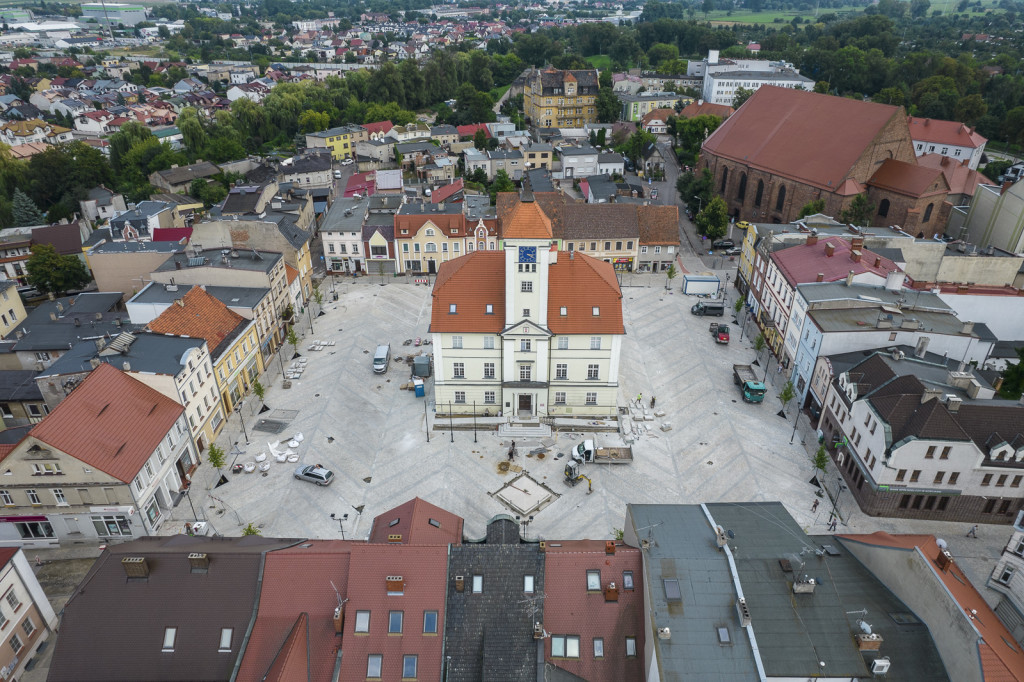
(196, 261)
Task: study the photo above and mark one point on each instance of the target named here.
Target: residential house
(124, 266)
(553, 98)
(702, 108)
(232, 340)
(607, 232)
(107, 483)
(541, 300)
(15, 133)
(145, 221)
(598, 189)
(635, 107)
(537, 155)
(963, 182)
(378, 239)
(179, 179)
(610, 163)
(508, 160)
(21, 402)
(656, 121)
(176, 366)
(12, 308)
(658, 238)
(341, 141)
(1006, 580)
(409, 132)
(427, 235)
(378, 130)
(28, 611)
(948, 138)
(307, 171)
(101, 204)
(579, 162)
(15, 248)
(341, 234)
(444, 134)
(652, 160)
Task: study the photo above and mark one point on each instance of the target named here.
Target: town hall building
(527, 331)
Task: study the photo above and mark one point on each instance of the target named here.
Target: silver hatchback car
(314, 474)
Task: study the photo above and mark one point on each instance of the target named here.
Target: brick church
(784, 148)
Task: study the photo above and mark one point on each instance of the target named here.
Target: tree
(250, 529)
(293, 338)
(786, 394)
(859, 212)
(713, 220)
(759, 344)
(695, 188)
(24, 210)
(215, 456)
(741, 96)
(480, 139)
(259, 390)
(608, 106)
(811, 208)
(313, 121)
(50, 272)
(502, 183)
(635, 145)
(670, 275)
(1013, 378)
(821, 459)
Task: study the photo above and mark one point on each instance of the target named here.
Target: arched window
(927, 213)
(430, 232)
(741, 191)
(725, 180)
(760, 193)
(883, 208)
(781, 199)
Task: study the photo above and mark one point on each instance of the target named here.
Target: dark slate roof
(308, 163)
(103, 638)
(97, 236)
(183, 174)
(147, 352)
(489, 636)
(540, 180)
(586, 80)
(242, 200)
(286, 225)
(602, 187)
(989, 424)
(386, 231)
(19, 384)
(65, 239)
(43, 334)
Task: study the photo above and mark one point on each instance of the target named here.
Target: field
(724, 18)
(601, 62)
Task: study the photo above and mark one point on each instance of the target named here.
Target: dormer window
(597, 311)
(563, 311)
(451, 309)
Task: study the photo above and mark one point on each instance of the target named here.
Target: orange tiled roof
(527, 221)
(959, 176)
(580, 283)
(200, 316)
(413, 522)
(290, 272)
(111, 422)
(944, 132)
(470, 282)
(909, 179)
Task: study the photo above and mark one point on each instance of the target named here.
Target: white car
(347, 162)
(337, 174)
(315, 474)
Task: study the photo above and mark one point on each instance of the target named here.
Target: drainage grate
(270, 426)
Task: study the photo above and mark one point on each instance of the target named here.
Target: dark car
(734, 251)
(723, 244)
(315, 474)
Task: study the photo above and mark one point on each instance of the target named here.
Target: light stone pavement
(371, 434)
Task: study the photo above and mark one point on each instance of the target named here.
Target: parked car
(723, 244)
(734, 251)
(314, 473)
(337, 173)
(347, 162)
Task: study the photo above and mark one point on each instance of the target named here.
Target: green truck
(751, 389)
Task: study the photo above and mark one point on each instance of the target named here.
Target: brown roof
(201, 316)
(417, 522)
(658, 224)
(601, 221)
(580, 283)
(959, 176)
(112, 628)
(702, 108)
(65, 239)
(909, 179)
(470, 282)
(414, 222)
(774, 130)
(952, 133)
(989, 425)
(657, 114)
(526, 220)
(551, 203)
(90, 424)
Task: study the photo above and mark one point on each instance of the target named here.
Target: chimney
(135, 567)
(872, 642)
(878, 261)
(849, 278)
(95, 362)
(857, 243)
(829, 249)
(339, 619)
(609, 547)
(856, 255)
(199, 562)
(99, 344)
(395, 583)
(812, 239)
(943, 560)
(953, 403)
(611, 592)
(60, 307)
(394, 537)
(460, 583)
(127, 366)
(78, 322)
(820, 277)
(53, 316)
(894, 280)
(177, 265)
(968, 328)
(930, 394)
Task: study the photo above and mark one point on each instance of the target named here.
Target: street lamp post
(238, 409)
(451, 423)
(426, 422)
(796, 420)
(189, 496)
(474, 421)
(700, 202)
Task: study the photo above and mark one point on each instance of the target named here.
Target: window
(169, 635)
(395, 622)
(901, 474)
(563, 343)
(593, 246)
(1007, 575)
(627, 580)
(526, 287)
(939, 475)
(5, 496)
(572, 646)
(914, 475)
(643, 249)
(781, 200)
(593, 371)
(593, 580)
(46, 469)
(409, 666)
(595, 343)
(883, 208)
(952, 477)
(591, 399)
(488, 343)
(528, 584)
(373, 665)
(488, 370)
(430, 622)
(945, 452)
(930, 452)
(225, 640)
(986, 479)
(456, 342)
(559, 397)
(451, 309)
(58, 495)
(607, 246)
(598, 647)
(489, 309)
(460, 397)
(478, 584)
(15, 643)
(596, 312)
(1016, 481)
(525, 345)
(562, 371)
(927, 213)
(526, 312)
(630, 646)
(557, 646)
(28, 626)
(459, 369)
(525, 372)
(362, 621)
(489, 398)
(33, 497)
(1001, 481)
(618, 246)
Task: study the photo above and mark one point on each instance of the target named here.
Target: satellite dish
(941, 543)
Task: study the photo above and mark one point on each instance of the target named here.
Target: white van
(381, 358)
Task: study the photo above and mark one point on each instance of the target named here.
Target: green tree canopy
(50, 272)
(24, 210)
(713, 219)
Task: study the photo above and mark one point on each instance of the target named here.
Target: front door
(525, 404)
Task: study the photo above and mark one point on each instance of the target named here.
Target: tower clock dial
(527, 254)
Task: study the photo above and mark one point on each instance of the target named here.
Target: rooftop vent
(743, 612)
(611, 592)
(135, 567)
(943, 560)
(880, 666)
(460, 583)
(199, 562)
(538, 631)
(395, 583)
(664, 633)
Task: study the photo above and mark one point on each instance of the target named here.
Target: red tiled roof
(909, 179)
(959, 176)
(570, 609)
(527, 221)
(803, 263)
(953, 133)
(702, 108)
(412, 521)
(6, 554)
(424, 572)
(470, 282)
(290, 273)
(199, 315)
(90, 424)
(776, 127)
(297, 582)
(580, 283)
(470, 130)
(659, 114)
(412, 223)
(1000, 658)
(378, 127)
(442, 193)
(361, 183)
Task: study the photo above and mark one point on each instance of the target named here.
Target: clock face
(527, 254)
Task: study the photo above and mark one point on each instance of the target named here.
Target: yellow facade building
(561, 99)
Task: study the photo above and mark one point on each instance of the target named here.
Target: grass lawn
(600, 61)
(496, 93)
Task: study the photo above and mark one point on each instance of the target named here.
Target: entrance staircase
(524, 428)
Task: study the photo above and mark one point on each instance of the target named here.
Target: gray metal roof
(232, 297)
(865, 319)
(345, 215)
(815, 292)
(153, 353)
(682, 547)
(248, 259)
(795, 632)
(19, 384)
(136, 247)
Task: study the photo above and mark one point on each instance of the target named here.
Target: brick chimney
(856, 255)
(857, 243)
(812, 239)
(829, 249)
(820, 277)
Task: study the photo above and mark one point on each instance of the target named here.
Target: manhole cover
(270, 426)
